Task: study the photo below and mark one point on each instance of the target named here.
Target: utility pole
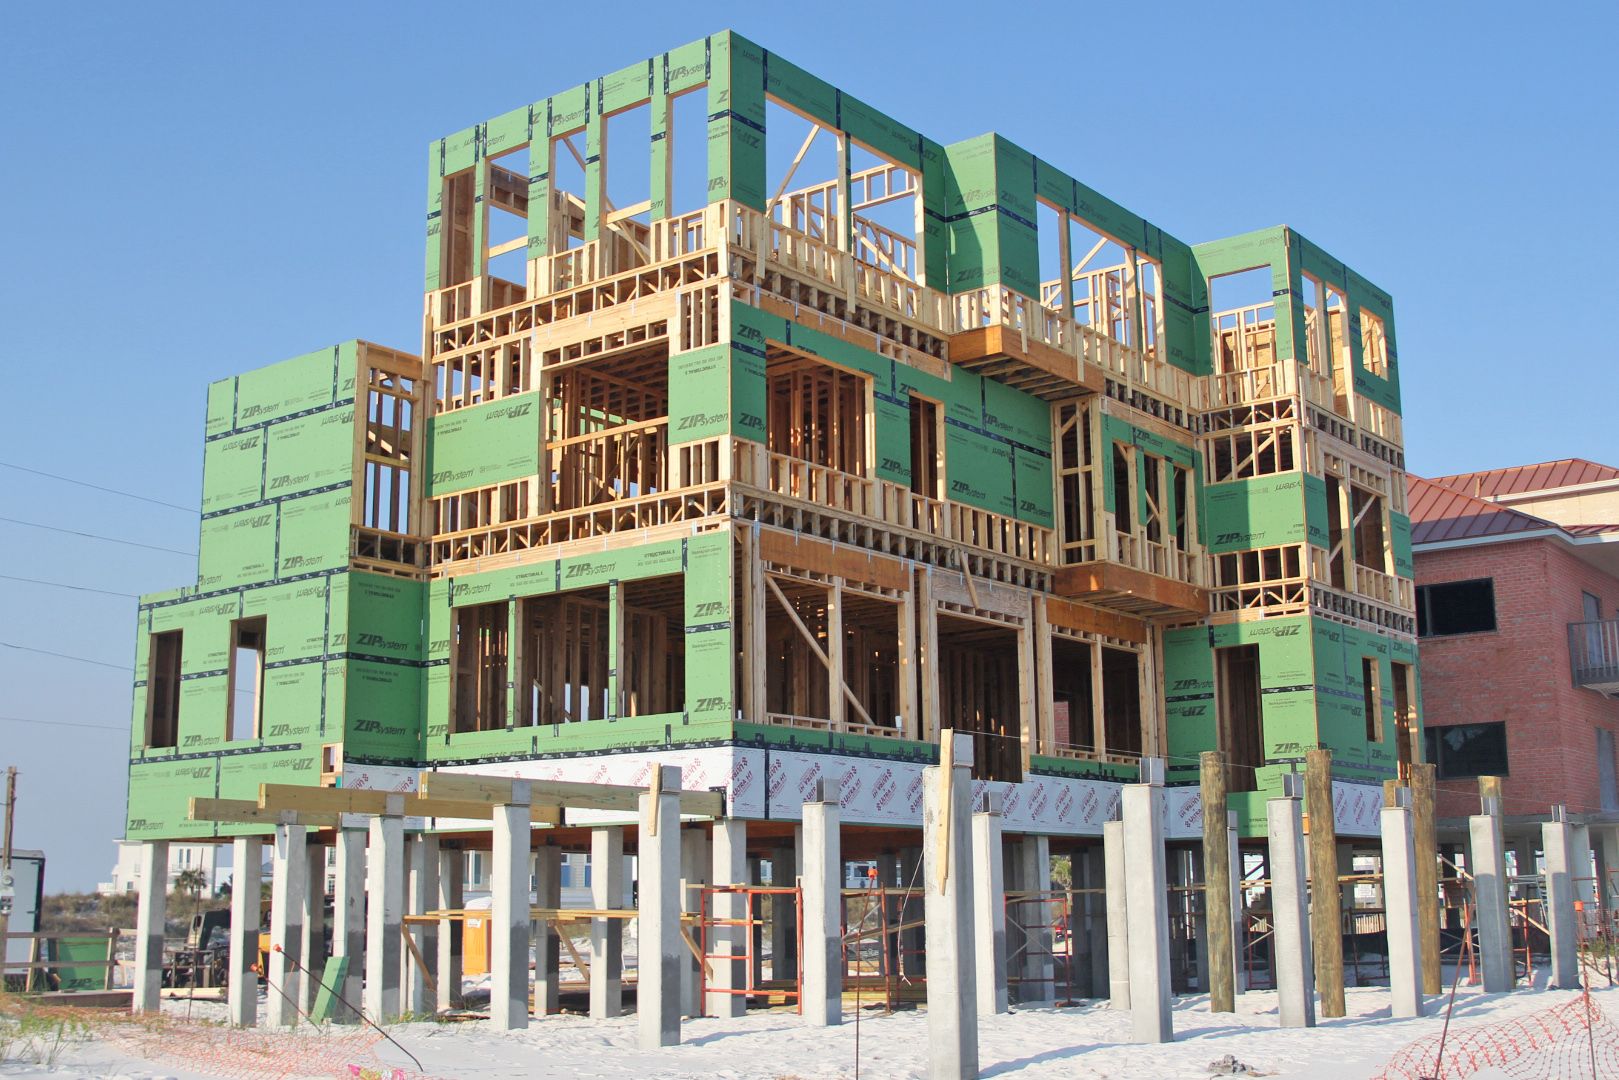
(6, 889)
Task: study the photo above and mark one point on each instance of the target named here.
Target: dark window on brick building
(1456, 607)
(1460, 751)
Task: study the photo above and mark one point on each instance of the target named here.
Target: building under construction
(757, 434)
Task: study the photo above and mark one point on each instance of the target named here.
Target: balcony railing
(893, 504)
(1593, 650)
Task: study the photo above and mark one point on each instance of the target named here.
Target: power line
(97, 487)
(95, 536)
(62, 723)
(65, 656)
(65, 585)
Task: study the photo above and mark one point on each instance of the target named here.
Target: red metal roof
(1440, 512)
(1522, 478)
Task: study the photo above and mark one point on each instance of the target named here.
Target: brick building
(1518, 616)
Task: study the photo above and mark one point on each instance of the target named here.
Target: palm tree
(191, 882)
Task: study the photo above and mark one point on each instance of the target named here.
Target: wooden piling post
(1217, 884)
(1427, 850)
(1326, 907)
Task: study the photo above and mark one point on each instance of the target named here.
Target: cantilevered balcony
(1593, 649)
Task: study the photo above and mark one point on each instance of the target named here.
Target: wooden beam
(247, 812)
(323, 800)
(497, 791)
(849, 563)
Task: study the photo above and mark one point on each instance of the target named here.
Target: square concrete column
(452, 869)
(1490, 890)
(246, 890)
(547, 933)
(348, 922)
(1093, 902)
(314, 933)
(1607, 846)
(606, 935)
(1239, 921)
(989, 908)
(756, 932)
(1034, 876)
(421, 893)
(1400, 907)
(912, 962)
(1557, 840)
(1192, 870)
(730, 844)
(1524, 865)
(1583, 870)
(384, 907)
(152, 895)
(289, 884)
(1290, 913)
(694, 860)
(657, 993)
(823, 907)
(948, 888)
(784, 913)
(1115, 880)
(509, 913)
(1147, 892)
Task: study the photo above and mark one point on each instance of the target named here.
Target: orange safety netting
(1565, 1042)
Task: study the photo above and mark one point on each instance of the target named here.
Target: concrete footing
(947, 875)
(153, 900)
(606, 935)
(822, 883)
(1118, 911)
(1146, 890)
(694, 870)
(384, 905)
(314, 927)
(1037, 963)
(247, 886)
(989, 907)
(547, 943)
(421, 893)
(730, 849)
(289, 883)
(661, 950)
(348, 921)
(1400, 907)
(508, 914)
(451, 897)
(1488, 859)
(1290, 905)
(1557, 840)
(784, 913)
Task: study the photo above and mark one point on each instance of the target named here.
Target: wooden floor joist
(497, 791)
(275, 797)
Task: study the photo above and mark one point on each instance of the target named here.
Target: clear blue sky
(200, 189)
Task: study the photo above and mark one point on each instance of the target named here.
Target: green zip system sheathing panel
(484, 444)
(997, 439)
(1289, 256)
(1311, 694)
(343, 664)
(979, 196)
(1263, 512)
(704, 561)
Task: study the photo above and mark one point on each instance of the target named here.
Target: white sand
(1041, 1042)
